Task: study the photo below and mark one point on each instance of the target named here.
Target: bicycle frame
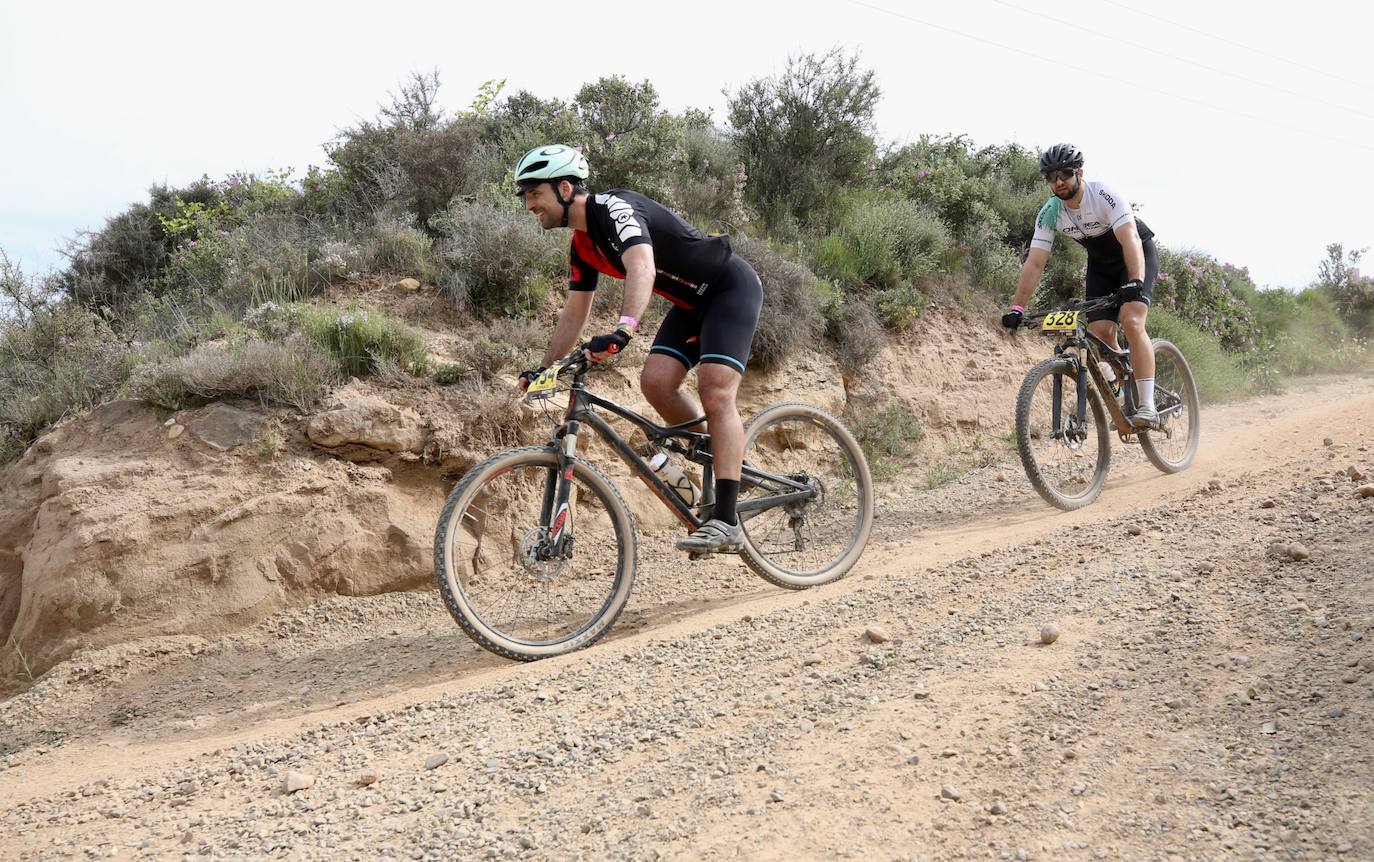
(581, 409)
(1085, 350)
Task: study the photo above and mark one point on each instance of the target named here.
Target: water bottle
(674, 477)
(1110, 374)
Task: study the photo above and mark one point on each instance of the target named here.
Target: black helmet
(1061, 156)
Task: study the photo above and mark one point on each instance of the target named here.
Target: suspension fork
(555, 510)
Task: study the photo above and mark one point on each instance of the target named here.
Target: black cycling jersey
(688, 262)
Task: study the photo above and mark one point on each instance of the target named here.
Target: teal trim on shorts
(730, 359)
(677, 354)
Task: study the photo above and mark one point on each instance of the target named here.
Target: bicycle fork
(555, 510)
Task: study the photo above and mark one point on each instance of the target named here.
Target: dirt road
(1210, 694)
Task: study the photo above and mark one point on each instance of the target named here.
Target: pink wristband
(1018, 308)
(626, 320)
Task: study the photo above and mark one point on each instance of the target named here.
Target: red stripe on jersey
(588, 251)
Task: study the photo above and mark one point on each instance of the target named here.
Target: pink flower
(610, 136)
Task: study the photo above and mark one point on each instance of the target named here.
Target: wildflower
(610, 136)
(920, 175)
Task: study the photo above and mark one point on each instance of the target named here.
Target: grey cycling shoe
(1145, 418)
(714, 537)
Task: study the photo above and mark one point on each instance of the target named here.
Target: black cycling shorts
(1105, 280)
(722, 330)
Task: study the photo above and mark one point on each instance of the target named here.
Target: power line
(1259, 51)
(1107, 76)
(1175, 57)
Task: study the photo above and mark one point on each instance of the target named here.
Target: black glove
(612, 342)
(1130, 291)
(528, 377)
(1012, 319)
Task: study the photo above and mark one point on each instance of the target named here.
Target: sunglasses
(1060, 174)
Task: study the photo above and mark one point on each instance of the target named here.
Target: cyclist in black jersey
(716, 300)
(1121, 260)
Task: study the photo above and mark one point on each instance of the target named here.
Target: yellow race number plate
(1060, 321)
(544, 385)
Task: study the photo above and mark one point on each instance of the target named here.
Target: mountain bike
(1066, 402)
(535, 550)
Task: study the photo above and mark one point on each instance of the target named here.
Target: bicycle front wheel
(819, 535)
(517, 584)
(1173, 446)
(1066, 458)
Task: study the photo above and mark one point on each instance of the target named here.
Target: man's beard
(1063, 196)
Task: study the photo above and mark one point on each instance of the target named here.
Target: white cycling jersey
(1092, 225)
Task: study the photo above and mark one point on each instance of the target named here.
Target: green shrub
(294, 373)
(1305, 334)
(264, 259)
(57, 359)
(899, 307)
(395, 246)
(884, 242)
(1352, 296)
(1212, 296)
(410, 159)
(498, 260)
(709, 180)
(359, 340)
(888, 434)
(1219, 375)
(630, 141)
(791, 315)
(805, 134)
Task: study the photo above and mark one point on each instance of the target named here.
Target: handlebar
(1032, 318)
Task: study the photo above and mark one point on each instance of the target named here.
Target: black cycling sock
(727, 491)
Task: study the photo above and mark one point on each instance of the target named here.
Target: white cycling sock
(1145, 389)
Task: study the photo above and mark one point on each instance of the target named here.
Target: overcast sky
(1242, 131)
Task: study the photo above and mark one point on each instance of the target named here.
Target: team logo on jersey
(1111, 201)
(626, 226)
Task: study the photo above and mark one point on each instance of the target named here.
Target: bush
(884, 242)
(410, 159)
(55, 358)
(295, 373)
(709, 182)
(1304, 334)
(1212, 296)
(265, 259)
(888, 435)
(791, 315)
(1219, 375)
(1351, 295)
(857, 334)
(899, 307)
(358, 340)
(805, 134)
(361, 339)
(498, 260)
(396, 246)
(630, 141)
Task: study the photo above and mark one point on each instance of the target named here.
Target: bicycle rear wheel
(503, 576)
(1173, 446)
(816, 540)
(1066, 462)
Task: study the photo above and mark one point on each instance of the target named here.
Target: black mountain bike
(1066, 402)
(535, 550)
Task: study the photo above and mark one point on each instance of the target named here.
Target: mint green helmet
(551, 163)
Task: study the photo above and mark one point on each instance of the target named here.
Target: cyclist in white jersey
(1121, 260)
